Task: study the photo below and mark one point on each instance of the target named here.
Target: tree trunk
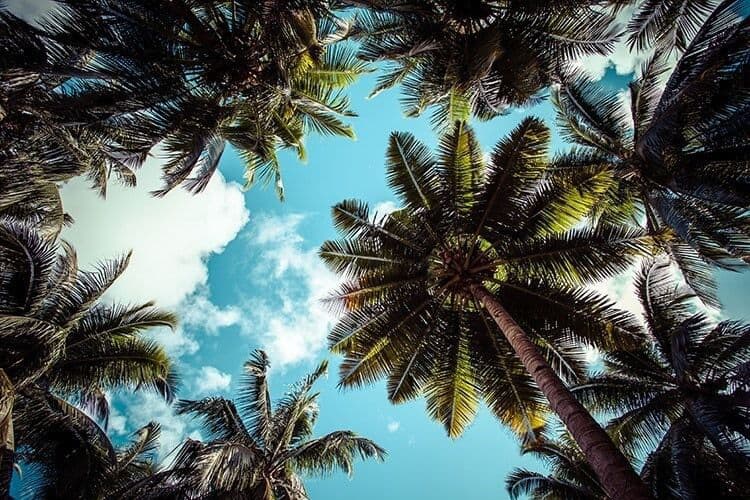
(6, 434)
(616, 475)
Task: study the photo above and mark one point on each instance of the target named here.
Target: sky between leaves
(242, 272)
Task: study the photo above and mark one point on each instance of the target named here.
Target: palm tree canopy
(63, 349)
(479, 57)
(668, 24)
(681, 150)
(509, 223)
(58, 335)
(683, 466)
(257, 75)
(689, 384)
(70, 456)
(255, 449)
(570, 477)
(42, 141)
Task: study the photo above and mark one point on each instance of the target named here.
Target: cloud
(30, 10)
(117, 421)
(621, 58)
(143, 407)
(211, 379)
(621, 289)
(289, 319)
(197, 316)
(385, 207)
(393, 426)
(171, 237)
(197, 311)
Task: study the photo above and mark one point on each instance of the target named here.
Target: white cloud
(621, 290)
(621, 58)
(198, 311)
(210, 379)
(177, 343)
(592, 355)
(144, 407)
(385, 207)
(393, 426)
(290, 321)
(30, 10)
(117, 421)
(171, 237)
(197, 315)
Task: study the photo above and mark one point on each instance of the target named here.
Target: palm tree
(669, 24)
(684, 467)
(570, 477)
(7, 440)
(679, 153)
(476, 57)
(41, 141)
(681, 467)
(258, 75)
(60, 344)
(689, 384)
(72, 457)
(483, 261)
(257, 450)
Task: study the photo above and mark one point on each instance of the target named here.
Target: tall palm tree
(681, 467)
(689, 384)
(667, 25)
(41, 141)
(72, 457)
(570, 478)
(195, 75)
(679, 152)
(59, 344)
(484, 260)
(36, 153)
(476, 57)
(257, 450)
(684, 466)
(7, 440)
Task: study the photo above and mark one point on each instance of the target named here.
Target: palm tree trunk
(616, 475)
(6, 434)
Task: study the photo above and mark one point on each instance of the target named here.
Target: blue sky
(242, 271)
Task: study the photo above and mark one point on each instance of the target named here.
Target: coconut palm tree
(43, 142)
(681, 467)
(59, 343)
(72, 457)
(7, 440)
(476, 57)
(679, 153)
(484, 260)
(194, 76)
(257, 450)
(684, 466)
(669, 24)
(33, 153)
(689, 384)
(570, 478)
